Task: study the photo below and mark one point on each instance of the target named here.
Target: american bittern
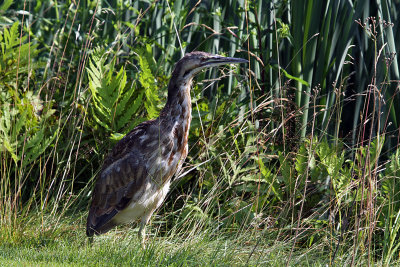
(136, 175)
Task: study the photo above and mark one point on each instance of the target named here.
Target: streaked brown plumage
(135, 176)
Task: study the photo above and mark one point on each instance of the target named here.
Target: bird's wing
(125, 145)
(123, 174)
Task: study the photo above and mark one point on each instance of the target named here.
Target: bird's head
(194, 62)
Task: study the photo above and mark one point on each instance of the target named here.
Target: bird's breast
(150, 200)
(166, 148)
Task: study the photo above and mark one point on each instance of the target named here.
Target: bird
(136, 175)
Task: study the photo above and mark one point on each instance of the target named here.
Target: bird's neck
(178, 109)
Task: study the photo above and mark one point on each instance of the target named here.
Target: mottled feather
(123, 173)
(135, 176)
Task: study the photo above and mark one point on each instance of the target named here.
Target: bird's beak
(218, 60)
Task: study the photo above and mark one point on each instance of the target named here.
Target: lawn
(70, 247)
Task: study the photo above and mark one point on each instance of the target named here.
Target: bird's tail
(99, 224)
(89, 227)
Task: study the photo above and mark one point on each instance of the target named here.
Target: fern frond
(113, 103)
(147, 80)
(123, 101)
(127, 116)
(6, 4)
(36, 146)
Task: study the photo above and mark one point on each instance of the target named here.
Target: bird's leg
(90, 239)
(142, 233)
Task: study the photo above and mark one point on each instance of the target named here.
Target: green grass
(119, 249)
(67, 245)
(113, 250)
(64, 243)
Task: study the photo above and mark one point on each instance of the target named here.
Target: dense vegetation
(301, 146)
